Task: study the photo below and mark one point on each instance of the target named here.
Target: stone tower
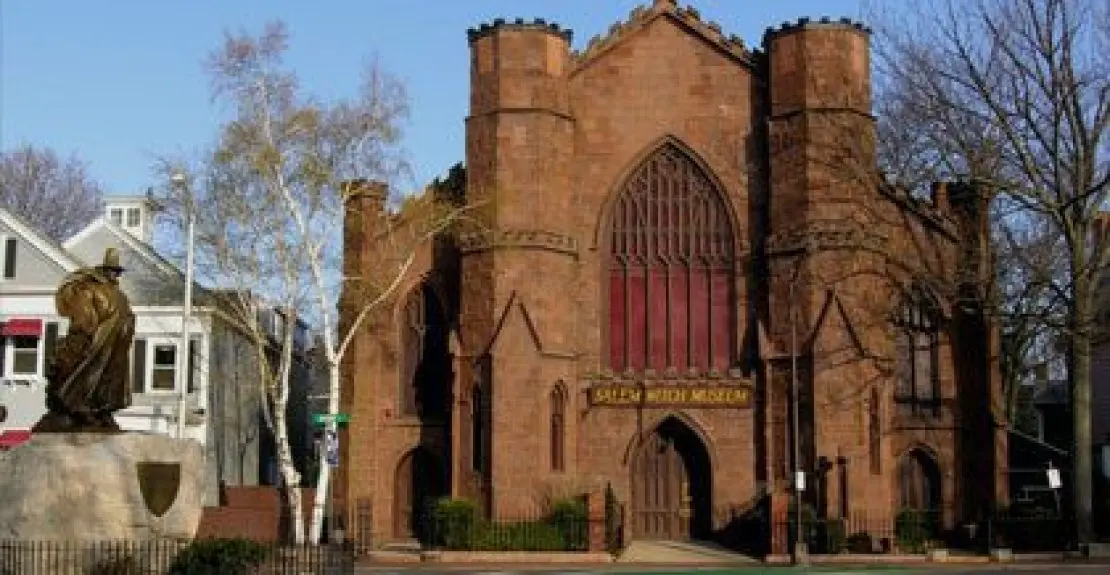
(517, 268)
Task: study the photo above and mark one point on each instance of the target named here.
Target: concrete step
(682, 552)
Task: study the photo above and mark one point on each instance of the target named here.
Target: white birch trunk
(291, 478)
(323, 481)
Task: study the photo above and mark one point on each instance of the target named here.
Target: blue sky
(119, 82)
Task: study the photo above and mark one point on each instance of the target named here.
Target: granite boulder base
(78, 487)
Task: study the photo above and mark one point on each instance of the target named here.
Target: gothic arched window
(558, 401)
(917, 343)
(426, 361)
(671, 301)
(874, 433)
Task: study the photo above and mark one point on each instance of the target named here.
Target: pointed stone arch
(671, 475)
(918, 480)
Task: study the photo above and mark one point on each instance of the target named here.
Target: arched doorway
(919, 482)
(419, 482)
(672, 485)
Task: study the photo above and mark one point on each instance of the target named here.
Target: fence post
(595, 519)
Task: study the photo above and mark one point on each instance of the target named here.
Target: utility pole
(181, 182)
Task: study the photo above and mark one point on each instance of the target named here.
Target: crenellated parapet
(824, 23)
(519, 24)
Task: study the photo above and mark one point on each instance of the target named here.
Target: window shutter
(3, 353)
(192, 365)
(50, 342)
(9, 258)
(138, 366)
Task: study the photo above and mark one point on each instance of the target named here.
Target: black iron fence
(456, 525)
(914, 532)
(227, 557)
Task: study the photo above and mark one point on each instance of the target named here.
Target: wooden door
(660, 491)
(419, 482)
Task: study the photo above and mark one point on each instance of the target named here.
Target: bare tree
(1016, 94)
(56, 195)
(270, 205)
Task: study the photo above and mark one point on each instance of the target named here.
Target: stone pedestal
(84, 487)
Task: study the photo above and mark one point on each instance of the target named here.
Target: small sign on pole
(331, 448)
(1054, 481)
(326, 418)
(800, 480)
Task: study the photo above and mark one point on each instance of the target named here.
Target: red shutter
(24, 327)
(617, 335)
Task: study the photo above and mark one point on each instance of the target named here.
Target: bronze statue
(89, 377)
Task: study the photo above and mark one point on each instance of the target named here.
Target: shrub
(860, 543)
(832, 535)
(914, 529)
(224, 556)
(612, 520)
(458, 526)
(455, 522)
(569, 517)
(520, 536)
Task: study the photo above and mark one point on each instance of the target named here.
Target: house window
(116, 215)
(132, 217)
(25, 355)
(671, 267)
(164, 367)
(154, 365)
(7, 258)
(558, 400)
(917, 343)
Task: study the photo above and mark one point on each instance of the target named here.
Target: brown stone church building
(685, 256)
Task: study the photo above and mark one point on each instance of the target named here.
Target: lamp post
(799, 476)
(180, 181)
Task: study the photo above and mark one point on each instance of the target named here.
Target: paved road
(1071, 569)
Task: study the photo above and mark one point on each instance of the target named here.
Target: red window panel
(659, 326)
(699, 318)
(680, 320)
(617, 336)
(636, 336)
(720, 319)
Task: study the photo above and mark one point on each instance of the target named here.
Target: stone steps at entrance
(682, 552)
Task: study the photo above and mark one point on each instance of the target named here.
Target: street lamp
(181, 182)
(799, 475)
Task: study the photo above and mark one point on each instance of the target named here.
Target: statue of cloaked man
(89, 378)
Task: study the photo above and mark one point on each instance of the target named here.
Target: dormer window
(116, 216)
(132, 217)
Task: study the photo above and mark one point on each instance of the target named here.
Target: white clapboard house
(222, 396)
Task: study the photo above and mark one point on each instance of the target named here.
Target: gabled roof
(136, 245)
(687, 18)
(39, 241)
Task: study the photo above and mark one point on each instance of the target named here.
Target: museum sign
(655, 395)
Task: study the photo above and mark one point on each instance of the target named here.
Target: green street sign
(326, 418)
